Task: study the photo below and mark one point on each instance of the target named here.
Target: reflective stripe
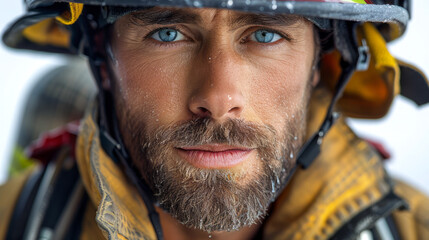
(383, 229)
(365, 235)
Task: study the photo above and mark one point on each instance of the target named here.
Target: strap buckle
(364, 57)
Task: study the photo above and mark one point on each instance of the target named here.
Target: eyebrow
(264, 19)
(165, 16)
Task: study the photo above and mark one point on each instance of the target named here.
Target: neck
(172, 229)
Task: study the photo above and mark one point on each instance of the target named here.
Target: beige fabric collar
(121, 213)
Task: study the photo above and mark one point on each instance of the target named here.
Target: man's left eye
(167, 35)
(264, 36)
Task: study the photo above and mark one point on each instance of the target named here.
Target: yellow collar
(121, 213)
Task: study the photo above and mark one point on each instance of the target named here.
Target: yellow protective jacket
(343, 192)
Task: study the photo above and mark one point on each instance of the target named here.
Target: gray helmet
(48, 25)
(69, 26)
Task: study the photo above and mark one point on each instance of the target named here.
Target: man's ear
(106, 81)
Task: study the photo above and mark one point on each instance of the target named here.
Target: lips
(214, 156)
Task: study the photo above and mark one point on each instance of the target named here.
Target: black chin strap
(110, 137)
(311, 149)
(354, 57)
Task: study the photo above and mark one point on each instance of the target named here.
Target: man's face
(211, 105)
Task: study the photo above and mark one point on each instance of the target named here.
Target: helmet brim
(320, 13)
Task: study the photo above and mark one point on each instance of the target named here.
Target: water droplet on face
(293, 116)
(295, 138)
(274, 5)
(291, 155)
(229, 98)
(197, 4)
(290, 7)
(273, 187)
(230, 3)
(210, 236)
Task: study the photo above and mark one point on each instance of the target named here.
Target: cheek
(279, 88)
(152, 88)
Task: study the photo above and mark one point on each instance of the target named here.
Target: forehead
(202, 16)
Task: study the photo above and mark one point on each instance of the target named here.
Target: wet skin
(220, 64)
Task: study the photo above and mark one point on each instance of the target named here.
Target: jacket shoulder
(10, 192)
(414, 222)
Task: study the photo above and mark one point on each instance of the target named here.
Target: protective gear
(57, 27)
(42, 28)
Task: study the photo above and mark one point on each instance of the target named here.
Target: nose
(218, 79)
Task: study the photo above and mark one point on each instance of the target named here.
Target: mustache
(202, 131)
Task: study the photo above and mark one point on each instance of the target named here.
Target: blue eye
(264, 36)
(167, 35)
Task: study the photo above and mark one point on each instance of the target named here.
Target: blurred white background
(404, 131)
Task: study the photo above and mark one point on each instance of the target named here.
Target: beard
(214, 199)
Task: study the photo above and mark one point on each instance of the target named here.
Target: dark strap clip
(311, 149)
(364, 57)
(109, 144)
